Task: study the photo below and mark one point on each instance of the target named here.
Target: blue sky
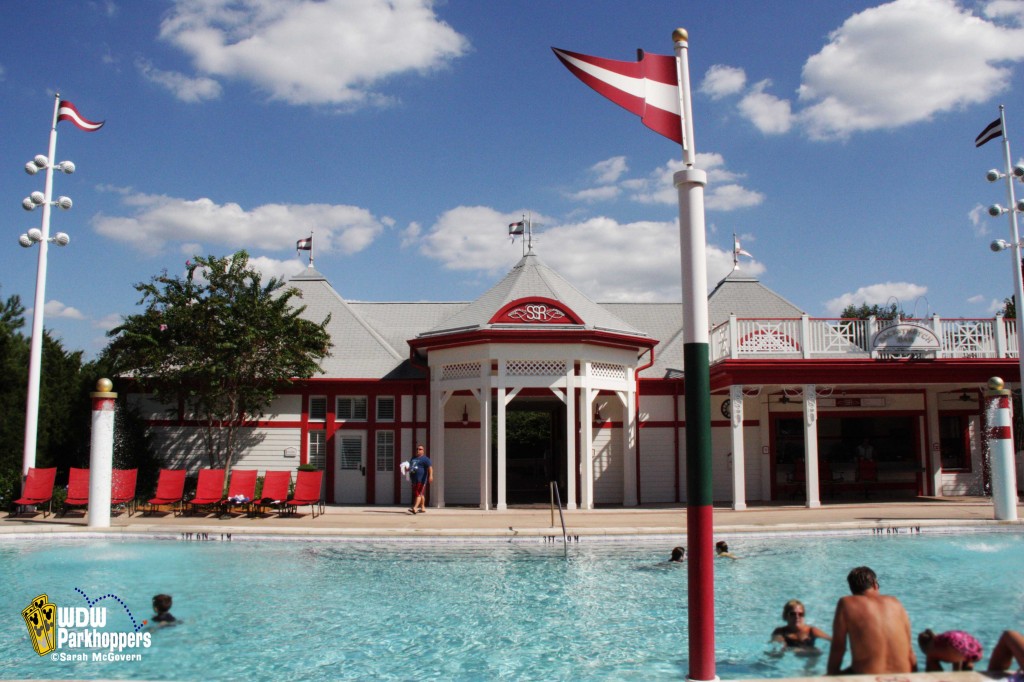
(838, 138)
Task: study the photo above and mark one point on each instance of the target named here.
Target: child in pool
(162, 607)
(955, 647)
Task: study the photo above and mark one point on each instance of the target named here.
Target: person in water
(955, 647)
(796, 634)
(678, 555)
(722, 551)
(162, 608)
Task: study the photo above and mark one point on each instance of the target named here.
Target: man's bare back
(878, 628)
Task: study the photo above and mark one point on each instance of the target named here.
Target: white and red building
(804, 409)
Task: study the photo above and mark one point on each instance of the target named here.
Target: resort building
(533, 382)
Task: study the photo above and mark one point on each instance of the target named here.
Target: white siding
(608, 462)
(462, 466)
(657, 465)
(285, 408)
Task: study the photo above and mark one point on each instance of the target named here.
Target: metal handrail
(558, 498)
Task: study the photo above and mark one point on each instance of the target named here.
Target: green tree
(1010, 308)
(221, 342)
(890, 311)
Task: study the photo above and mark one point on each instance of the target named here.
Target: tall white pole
(1018, 283)
(36, 348)
(1000, 443)
(101, 454)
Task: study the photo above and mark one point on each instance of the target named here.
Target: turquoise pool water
(409, 611)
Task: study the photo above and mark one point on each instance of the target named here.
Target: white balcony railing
(806, 337)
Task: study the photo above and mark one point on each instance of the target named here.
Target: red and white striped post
(101, 455)
(1000, 444)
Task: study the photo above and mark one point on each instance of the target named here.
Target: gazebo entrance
(535, 448)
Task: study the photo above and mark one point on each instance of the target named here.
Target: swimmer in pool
(678, 555)
(162, 607)
(955, 647)
(722, 551)
(796, 634)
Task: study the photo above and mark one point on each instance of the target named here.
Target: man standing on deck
(878, 627)
(421, 472)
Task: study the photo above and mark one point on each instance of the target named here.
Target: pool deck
(382, 522)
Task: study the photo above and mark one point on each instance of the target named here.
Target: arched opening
(535, 449)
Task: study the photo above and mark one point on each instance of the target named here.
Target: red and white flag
(648, 87)
(304, 244)
(66, 111)
(737, 249)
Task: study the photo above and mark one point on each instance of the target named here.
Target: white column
(502, 491)
(101, 457)
(570, 434)
(586, 441)
(932, 443)
(438, 398)
(484, 401)
(811, 445)
(629, 428)
(739, 483)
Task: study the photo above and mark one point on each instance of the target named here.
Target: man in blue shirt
(421, 472)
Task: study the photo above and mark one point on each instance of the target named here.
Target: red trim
(865, 371)
(1000, 432)
(504, 315)
(532, 335)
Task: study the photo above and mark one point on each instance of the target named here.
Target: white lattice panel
(838, 336)
(461, 370)
(606, 370)
(535, 368)
(762, 336)
(968, 339)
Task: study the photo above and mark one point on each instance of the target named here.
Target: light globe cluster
(37, 198)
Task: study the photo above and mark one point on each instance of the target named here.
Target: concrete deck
(537, 521)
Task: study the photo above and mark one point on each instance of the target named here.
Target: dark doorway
(534, 450)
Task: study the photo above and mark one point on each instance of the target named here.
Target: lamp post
(42, 238)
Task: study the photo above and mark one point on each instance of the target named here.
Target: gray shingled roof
(531, 278)
(371, 339)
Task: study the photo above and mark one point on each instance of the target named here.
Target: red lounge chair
(307, 491)
(78, 490)
(275, 490)
(122, 488)
(209, 489)
(241, 490)
(37, 489)
(170, 488)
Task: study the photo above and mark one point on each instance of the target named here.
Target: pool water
(518, 611)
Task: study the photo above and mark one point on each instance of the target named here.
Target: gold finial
(680, 35)
(995, 384)
(104, 385)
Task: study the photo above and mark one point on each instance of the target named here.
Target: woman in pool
(796, 634)
(722, 550)
(955, 647)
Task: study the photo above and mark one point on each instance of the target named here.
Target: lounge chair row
(170, 491)
(38, 489)
(241, 494)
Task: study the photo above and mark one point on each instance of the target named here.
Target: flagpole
(36, 347)
(690, 184)
(311, 248)
(1018, 280)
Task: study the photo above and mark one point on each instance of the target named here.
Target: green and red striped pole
(690, 184)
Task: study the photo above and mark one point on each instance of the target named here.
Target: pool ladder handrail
(556, 497)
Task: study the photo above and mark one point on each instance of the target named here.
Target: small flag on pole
(67, 112)
(648, 87)
(516, 228)
(991, 132)
(738, 251)
(304, 244)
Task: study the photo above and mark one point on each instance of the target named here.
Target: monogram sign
(535, 311)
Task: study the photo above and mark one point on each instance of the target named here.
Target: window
(954, 442)
(317, 408)
(386, 408)
(318, 449)
(351, 408)
(350, 453)
(385, 451)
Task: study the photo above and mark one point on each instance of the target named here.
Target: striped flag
(648, 87)
(516, 228)
(66, 111)
(737, 249)
(304, 244)
(991, 132)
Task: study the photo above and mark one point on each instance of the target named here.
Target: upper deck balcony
(832, 338)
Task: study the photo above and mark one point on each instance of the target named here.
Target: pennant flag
(66, 111)
(737, 250)
(648, 87)
(304, 244)
(516, 228)
(991, 132)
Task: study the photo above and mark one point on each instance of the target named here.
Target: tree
(220, 342)
(1009, 310)
(862, 312)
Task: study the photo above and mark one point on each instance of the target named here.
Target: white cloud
(609, 170)
(721, 80)
(605, 193)
(313, 51)
(607, 260)
(181, 86)
(904, 293)
(768, 113)
(722, 192)
(976, 299)
(107, 322)
(281, 269)
(905, 61)
(55, 308)
(159, 220)
(979, 220)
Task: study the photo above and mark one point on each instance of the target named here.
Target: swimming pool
(401, 610)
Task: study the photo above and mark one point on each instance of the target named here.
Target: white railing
(806, 337)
